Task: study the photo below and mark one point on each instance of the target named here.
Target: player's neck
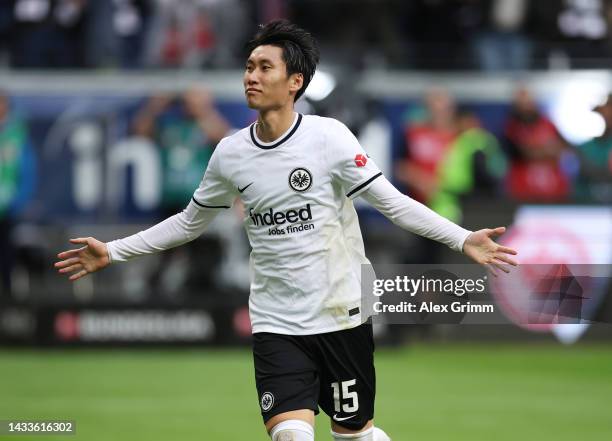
(272, 124)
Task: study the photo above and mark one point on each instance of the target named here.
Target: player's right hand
(89, 258)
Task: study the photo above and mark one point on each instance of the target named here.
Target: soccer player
(297, 176)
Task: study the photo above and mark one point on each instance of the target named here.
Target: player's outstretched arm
(417, 218)
(481, 248)
(92, 256)
(172, 232)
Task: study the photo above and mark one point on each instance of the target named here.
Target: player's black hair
(300, 50)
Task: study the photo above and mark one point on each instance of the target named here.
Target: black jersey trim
(209, 206)
(268, 147)
(360, 186)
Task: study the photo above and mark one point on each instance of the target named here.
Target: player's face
(266, 83)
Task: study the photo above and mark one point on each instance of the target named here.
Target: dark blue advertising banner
(91, 165)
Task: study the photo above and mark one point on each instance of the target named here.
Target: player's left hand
(92, 256)
(481, 248)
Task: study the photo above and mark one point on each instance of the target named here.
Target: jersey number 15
(342, 395)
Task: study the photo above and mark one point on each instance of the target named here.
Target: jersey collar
(284, 137)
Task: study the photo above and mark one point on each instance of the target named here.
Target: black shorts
(334, 371)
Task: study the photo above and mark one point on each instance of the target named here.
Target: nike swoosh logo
(335, 418)
(240, 190)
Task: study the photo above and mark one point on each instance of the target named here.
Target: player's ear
(296, 81)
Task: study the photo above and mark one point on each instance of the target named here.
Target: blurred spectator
(49, 34)
(17, 176)
(535, 147)
(186, 128)
(232, 25)
(475, 165)
(595, 180)
(195, 33)
(498, 31)
(130, 23)
(575, 33)
(427, 137)
(190, 46)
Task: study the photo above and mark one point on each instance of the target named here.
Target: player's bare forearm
(92, 256)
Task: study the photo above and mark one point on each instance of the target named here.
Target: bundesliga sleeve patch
(360, 160)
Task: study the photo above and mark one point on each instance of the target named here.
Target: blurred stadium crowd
(488, 35)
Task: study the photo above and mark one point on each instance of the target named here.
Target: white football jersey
(307, 248)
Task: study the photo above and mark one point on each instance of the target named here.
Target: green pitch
(446, 393)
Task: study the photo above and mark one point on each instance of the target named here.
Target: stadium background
(112, 109)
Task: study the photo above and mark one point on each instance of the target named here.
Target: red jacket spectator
(535, 148)
(427, 142)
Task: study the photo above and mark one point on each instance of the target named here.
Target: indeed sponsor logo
(272, 217)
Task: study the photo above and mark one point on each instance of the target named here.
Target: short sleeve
(214, 191)
(351, 167)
